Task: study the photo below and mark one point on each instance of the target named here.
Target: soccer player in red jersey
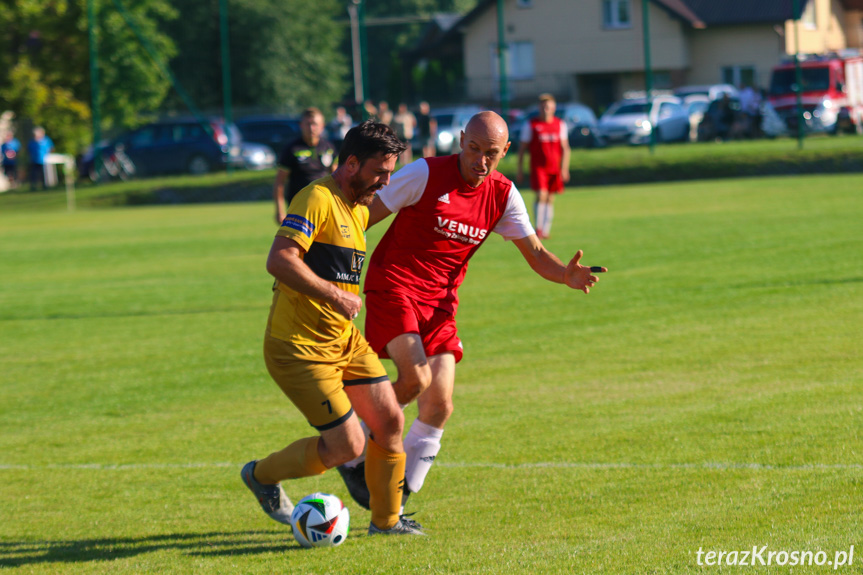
(447, 207)
(547, 140)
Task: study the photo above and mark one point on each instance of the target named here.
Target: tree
(388, 79)
(44, 64)
(284, 53)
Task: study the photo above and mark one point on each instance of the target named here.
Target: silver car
(631, 122)
(450, 123)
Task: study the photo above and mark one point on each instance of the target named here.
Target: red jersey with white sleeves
(546, 150)
(441, 222)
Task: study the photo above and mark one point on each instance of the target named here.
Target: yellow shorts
(314, 377)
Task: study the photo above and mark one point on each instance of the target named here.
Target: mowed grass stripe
(540, 465)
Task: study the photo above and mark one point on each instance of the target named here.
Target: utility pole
(798, 74)
(501, 61)
(95, 111)
(356, 50)
(364, 45)
(648, 71)
(226, 77)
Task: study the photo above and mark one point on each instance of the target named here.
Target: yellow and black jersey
(332, 232)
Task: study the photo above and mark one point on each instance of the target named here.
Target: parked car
(110, 162)
(696, 105)
(181, 145)
(717, 125)
(275, 131)
(631, 122)
(257, 156)
(710, 91)
(450, 123)
(581, 124)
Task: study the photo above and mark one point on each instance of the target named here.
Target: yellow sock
(385, 476)
(299, 459)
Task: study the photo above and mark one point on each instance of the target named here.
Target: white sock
(354, 462)
(549, 215)
(421, 447)
(541, 215)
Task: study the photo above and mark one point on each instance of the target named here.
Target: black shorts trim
(366, 380)
(335, 423)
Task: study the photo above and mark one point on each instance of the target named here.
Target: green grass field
(706, 395)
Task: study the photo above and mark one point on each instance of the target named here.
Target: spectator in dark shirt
(309, 157)
(427, 130)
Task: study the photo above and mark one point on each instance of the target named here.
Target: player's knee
(411, 383)
(394, 425)
(438, 412)
(419, 379)
(389, 427)
(349, 448)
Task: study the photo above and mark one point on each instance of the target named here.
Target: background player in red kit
(547, 140)
(447, 207)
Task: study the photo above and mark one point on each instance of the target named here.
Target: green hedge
(712, 160)
(607, 166)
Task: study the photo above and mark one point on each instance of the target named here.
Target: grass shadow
(21, 553)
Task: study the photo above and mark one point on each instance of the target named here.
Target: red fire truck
(832, 92)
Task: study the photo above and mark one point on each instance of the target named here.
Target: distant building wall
(717, 48)
(826, 34)
(568, 38)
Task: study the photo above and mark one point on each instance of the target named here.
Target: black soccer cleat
(355, 481)
(406, 520)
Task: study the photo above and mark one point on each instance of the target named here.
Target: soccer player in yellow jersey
(313, 350)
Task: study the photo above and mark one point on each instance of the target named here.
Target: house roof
(435, 31)
(704, 13)
(679, 9)
(696, 13)
(742, 11)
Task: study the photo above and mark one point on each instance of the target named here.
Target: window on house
(739, 76)
(616, 14)
(519, 60)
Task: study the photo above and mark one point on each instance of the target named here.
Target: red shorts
(390, 314)
(542, 179)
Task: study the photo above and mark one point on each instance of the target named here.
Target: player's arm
(285, 263)
(377, 211)
(405, 189)
(523, 145)
(565, 153)
(549, 266)
(282, 176)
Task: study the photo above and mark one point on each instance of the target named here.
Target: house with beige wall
(593, 50)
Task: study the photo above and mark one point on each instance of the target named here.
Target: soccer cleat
(355, 480)
(403, 527)
(406, 519)
(272, 498)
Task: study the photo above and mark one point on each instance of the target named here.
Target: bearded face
(364, 188)
(372, 175)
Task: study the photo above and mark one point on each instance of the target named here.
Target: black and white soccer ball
(320, 520)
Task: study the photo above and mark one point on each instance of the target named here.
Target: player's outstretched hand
(580, 277)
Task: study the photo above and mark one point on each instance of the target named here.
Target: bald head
(484, 143)
(488, 125)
